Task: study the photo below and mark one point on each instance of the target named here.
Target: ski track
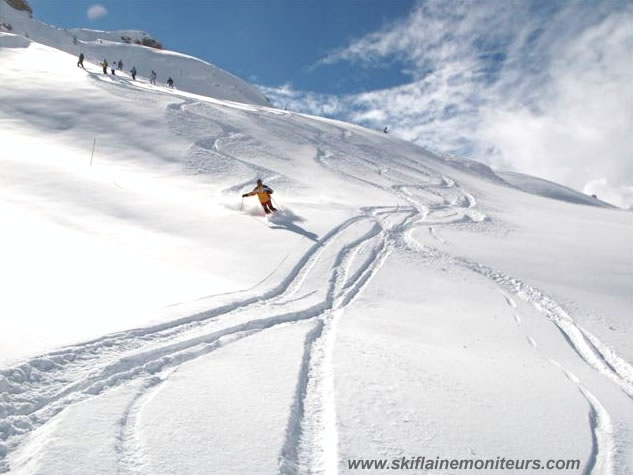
(41, 387)
(600, 459)
(596, 354)
(127, 446)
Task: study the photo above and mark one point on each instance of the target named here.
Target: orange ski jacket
(263, 192)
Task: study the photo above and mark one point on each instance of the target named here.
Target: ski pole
(242, 205)
(276, 205)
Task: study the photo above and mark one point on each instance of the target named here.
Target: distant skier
(113, 68)
(385, 130)
(120, 65)
(133, 73)
(152, 78)
(80, 63)
(170, 83)
(104, 65)
(263, 192)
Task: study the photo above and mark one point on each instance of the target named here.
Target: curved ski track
(33, 392)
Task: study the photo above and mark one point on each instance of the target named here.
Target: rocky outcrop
(145, 41)
(151, 42)
(21, 5)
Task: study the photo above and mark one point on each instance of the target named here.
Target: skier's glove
(244, 195)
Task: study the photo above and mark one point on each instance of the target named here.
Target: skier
(120, 65)
(263, 192)
(152, 78)
(113, 68)
(385, 130)
(80, 63)
(133, 72)
(104, 65)
(170, 83)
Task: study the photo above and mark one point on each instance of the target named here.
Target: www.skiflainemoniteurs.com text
(437, 463)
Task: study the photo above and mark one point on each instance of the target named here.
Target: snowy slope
(189, 73)
(400, 304)
(539, 186)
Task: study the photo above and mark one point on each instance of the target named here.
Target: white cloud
(96, 11)
(307, 102)
(538, 87)
(621, 196)
(581, 122)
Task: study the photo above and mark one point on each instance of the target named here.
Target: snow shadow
(286, 219)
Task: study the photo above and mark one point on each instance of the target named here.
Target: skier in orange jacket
(263, 192)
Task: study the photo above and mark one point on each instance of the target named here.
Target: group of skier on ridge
(114, 66)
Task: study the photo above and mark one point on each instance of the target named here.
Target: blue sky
(543, 87)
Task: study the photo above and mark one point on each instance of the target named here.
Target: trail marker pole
(93, 150)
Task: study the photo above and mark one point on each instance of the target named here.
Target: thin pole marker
(94, 142)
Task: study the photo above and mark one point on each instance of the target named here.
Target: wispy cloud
(309, 102)
(96, 11)
(538, 87)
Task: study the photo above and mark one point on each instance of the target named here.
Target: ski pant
(268, 207)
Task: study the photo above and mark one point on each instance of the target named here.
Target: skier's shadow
(287, 220)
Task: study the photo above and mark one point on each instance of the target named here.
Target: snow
(539, 186)
(171, 425)
(399, 304)
(214, 422)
